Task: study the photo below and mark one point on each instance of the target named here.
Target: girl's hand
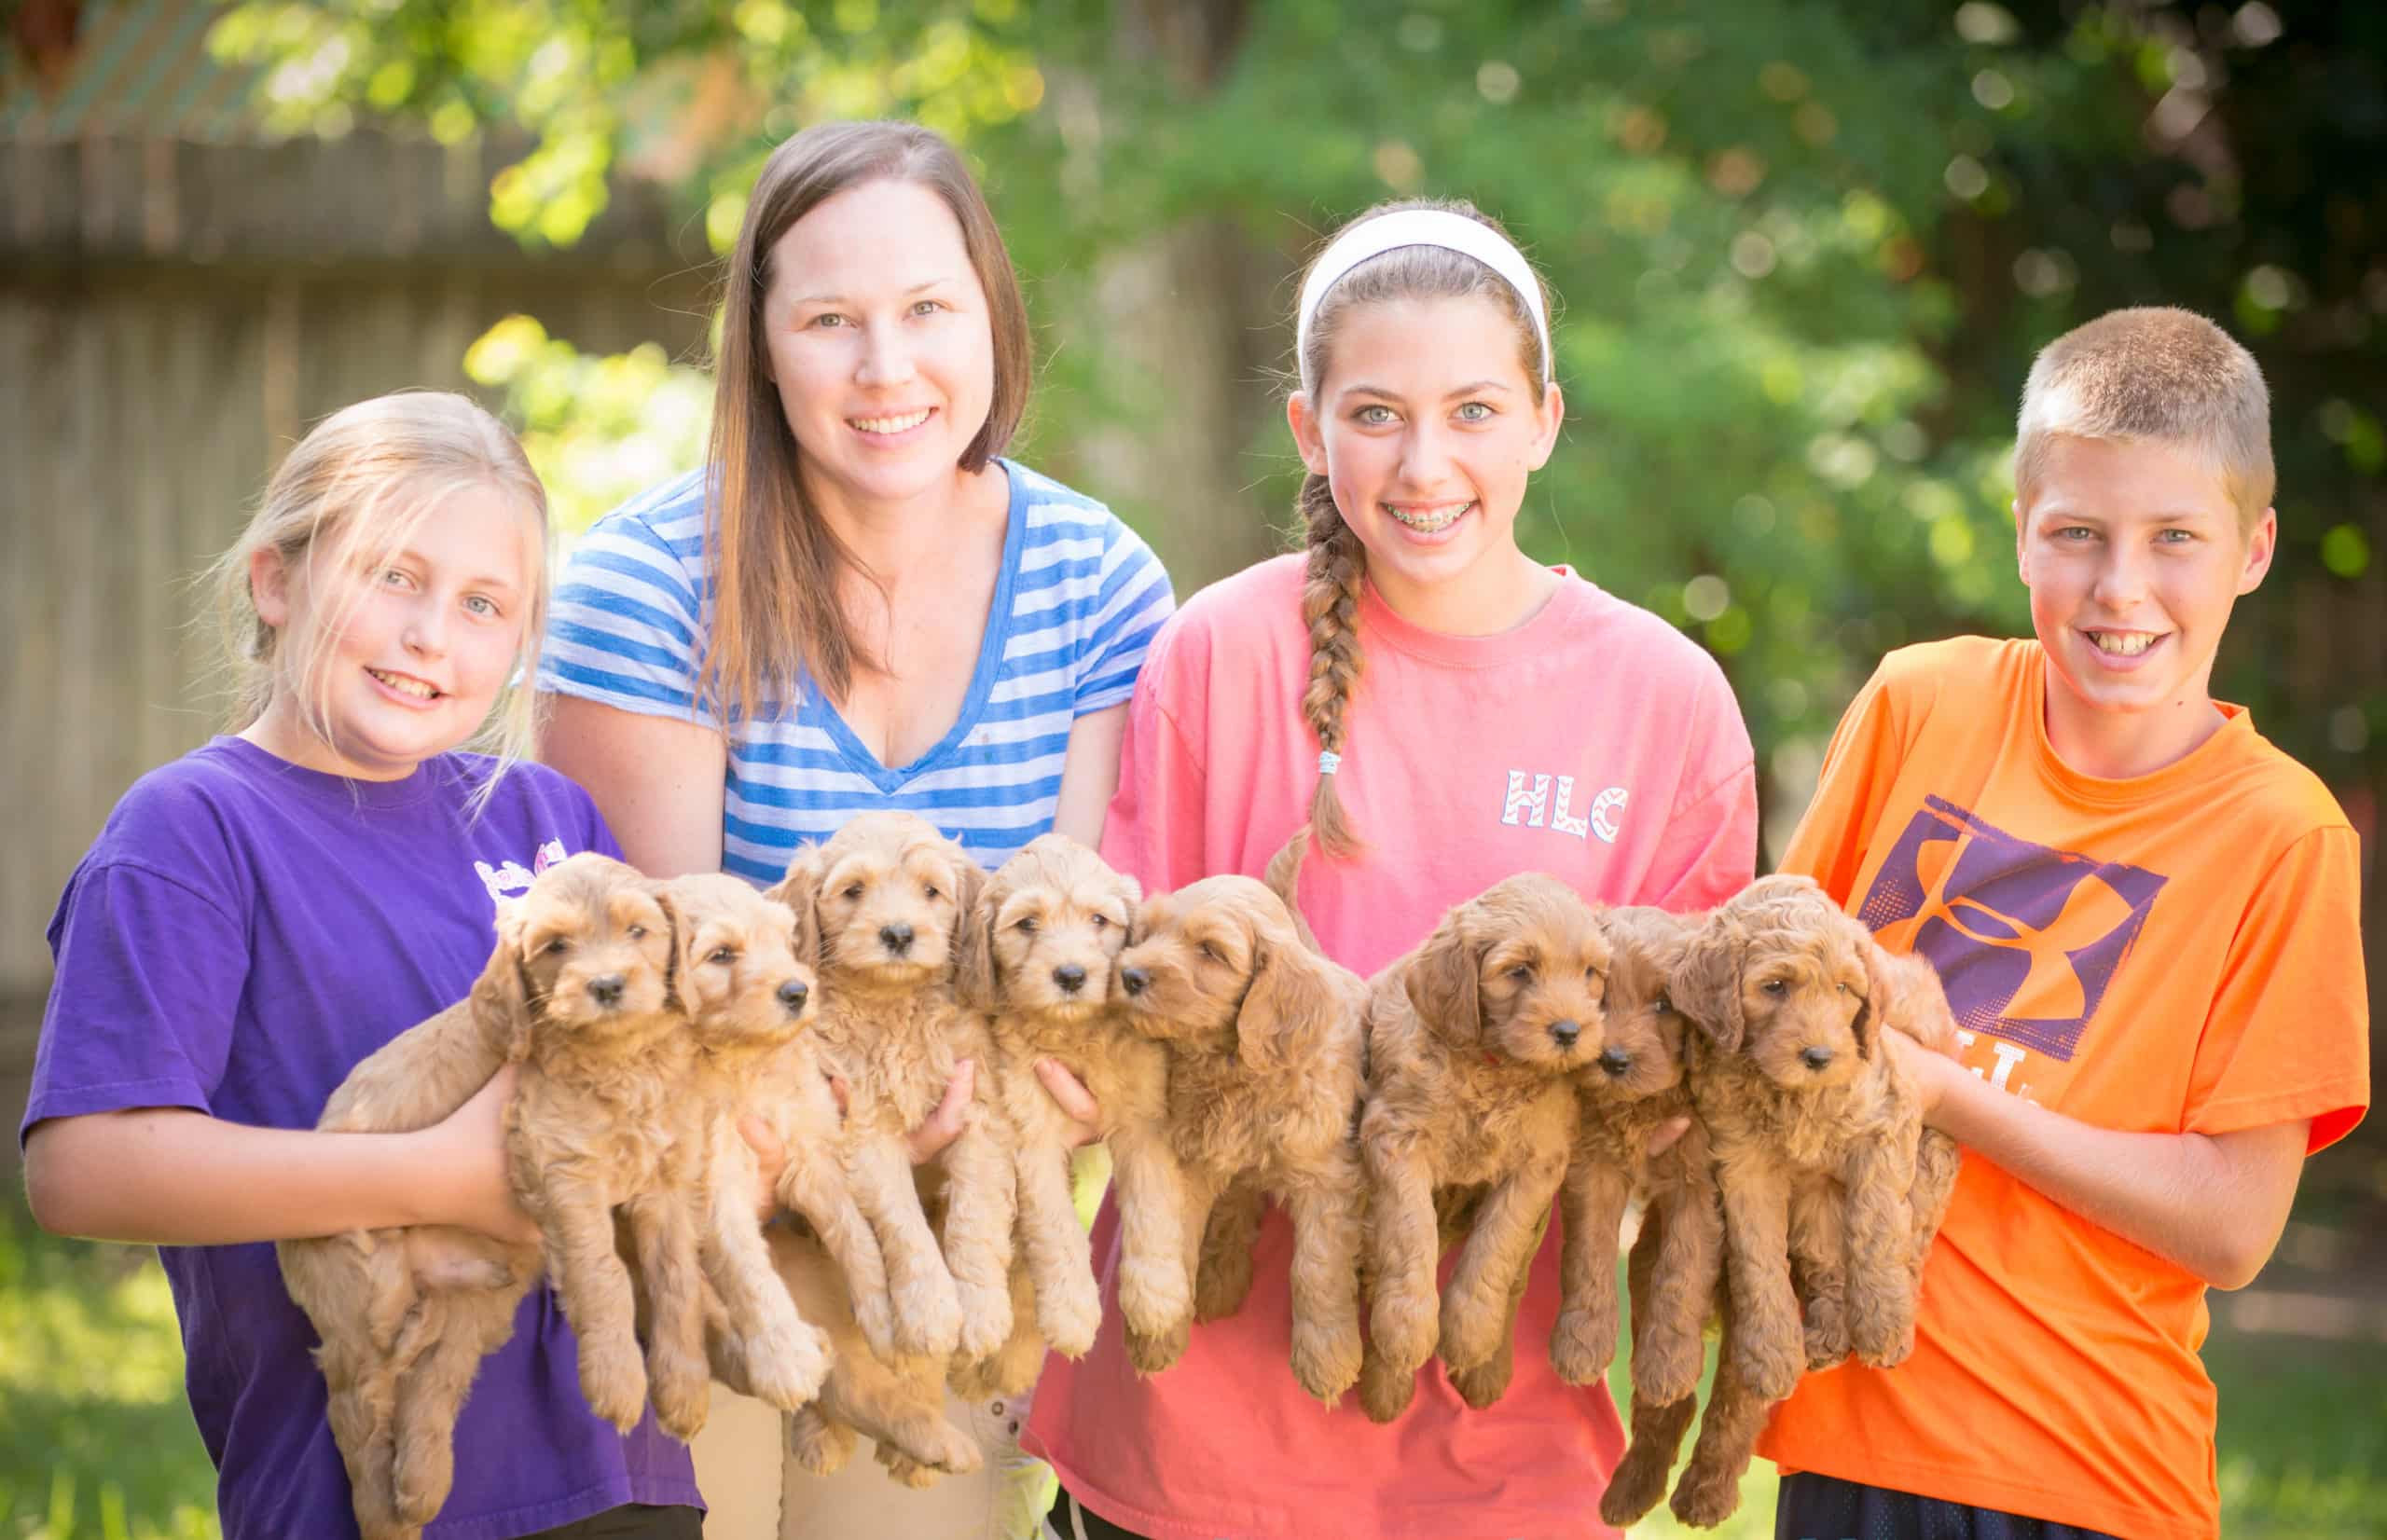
(466, 1151)
(1663, 1138)
(1070, 1095)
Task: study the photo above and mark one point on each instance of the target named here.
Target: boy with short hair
(2146, 919)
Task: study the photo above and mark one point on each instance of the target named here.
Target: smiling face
(1425, 425)
(878, 335)
(2134, 558)
(389, 654)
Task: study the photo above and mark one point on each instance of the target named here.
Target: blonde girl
(1445, 712)
(261, 913)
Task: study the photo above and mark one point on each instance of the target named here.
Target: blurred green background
(1804, 251)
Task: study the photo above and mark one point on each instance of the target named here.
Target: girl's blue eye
(1475, 411)
(1373, 416)
(825, 322)
(480, 606)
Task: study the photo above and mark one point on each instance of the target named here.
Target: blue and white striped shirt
(1078, 603)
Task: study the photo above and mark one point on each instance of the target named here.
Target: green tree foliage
(1805, 250)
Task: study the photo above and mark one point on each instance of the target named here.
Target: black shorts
(632, 1521)
(1825, 1507)
(1071, 1521)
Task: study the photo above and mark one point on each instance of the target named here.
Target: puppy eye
(1775, 987)
(1102, 922)
(723, 954)
(1211, 952)
(1662, 1006)
(638, 932)
(559, 944)
(930, 889)
(853, 891)
(1523, 973)
(1027, 926)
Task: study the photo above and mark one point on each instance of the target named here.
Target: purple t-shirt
(243, 932)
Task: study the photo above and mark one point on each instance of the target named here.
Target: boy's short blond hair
(2153, 373)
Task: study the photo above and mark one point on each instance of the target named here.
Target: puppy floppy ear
(499, 1002)
(1292, 999)
(681, 965)
(1444, 980)
(969, 881)
(1706, 983)
(973, 953)
(800, 890)
(1881, 1004)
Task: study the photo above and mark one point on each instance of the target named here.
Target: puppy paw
(904, 1470)
(928, 1317)
(1152, 1352)
(1770, 1363)
(420, 1476)
(1703, 1503)
(1885, 1343)
(1825, 1333)
(1582, 1347)
(1069, 1320)
(1403, 1325)
(1486, 1382)
(1636, 1488)
(786, 1365)
(1470, 1334)
(614, 1380)
(818, 1445)
(1385, 1391)
(1666, 1368)
(986, 1318)
(1153, 1296)
(1225, 1284)
(681, 1389)
(1326, 1360)
(916, 1456)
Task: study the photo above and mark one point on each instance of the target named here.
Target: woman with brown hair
(855, 603)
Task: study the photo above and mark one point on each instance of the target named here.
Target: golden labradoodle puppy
(1814, 1138)
(1038, 958)
(1472, 1037)
(406, 1316)
(1624, 1098)
(1265, 1050)
(749, 1006)
(886, 897)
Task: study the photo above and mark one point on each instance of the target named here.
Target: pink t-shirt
(1593, 742)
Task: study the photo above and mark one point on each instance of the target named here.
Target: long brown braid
(1338, 563)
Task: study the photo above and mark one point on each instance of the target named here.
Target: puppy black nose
(1814, 1058)
(896, 937)
(606, 990)
(1071, 976)
(1564, 1033)
(1615, 1060)
(1133, 979)
(793, 994)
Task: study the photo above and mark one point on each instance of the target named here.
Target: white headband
(1454, 232)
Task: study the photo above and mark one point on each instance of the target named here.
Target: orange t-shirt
(2178, 952)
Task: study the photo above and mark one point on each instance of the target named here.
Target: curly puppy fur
(898, 1400)
(886, 897)
(1630, 1089)
(404, 1316)
(1265, 1051)
(1815, 1140)
(750, 1007)
(1037, 957)
(1472, 1039)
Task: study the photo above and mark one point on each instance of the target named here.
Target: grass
(96, 1442)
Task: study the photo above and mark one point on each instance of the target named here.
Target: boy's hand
(1070, 1095)
(468, 1150)
(1927, 1071)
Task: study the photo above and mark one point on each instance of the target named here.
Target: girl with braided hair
(1443, 713)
